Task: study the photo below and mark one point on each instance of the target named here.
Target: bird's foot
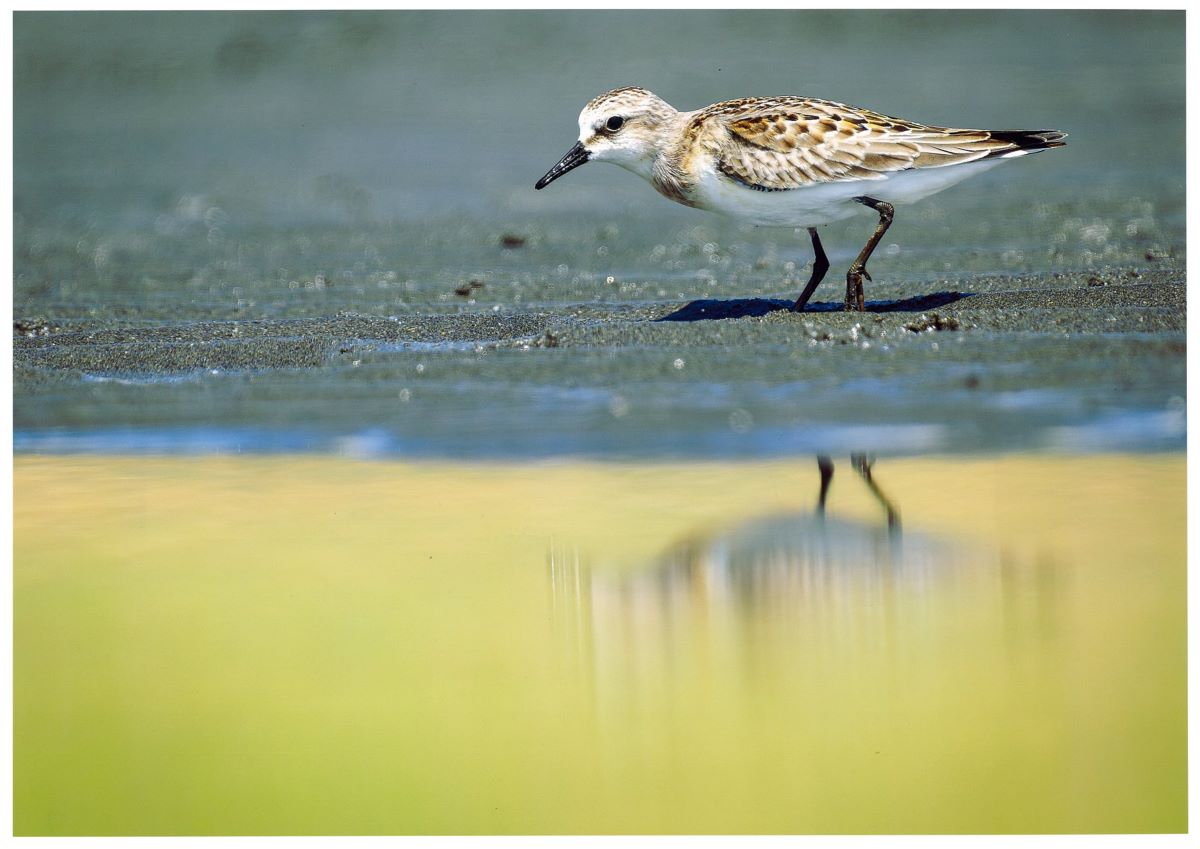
(855, 302)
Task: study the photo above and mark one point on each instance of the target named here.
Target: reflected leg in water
(826, 467)
(862, 464)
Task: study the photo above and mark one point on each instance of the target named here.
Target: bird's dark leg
(826, 467)
(858, 268)
(820, 266)
(862, 464)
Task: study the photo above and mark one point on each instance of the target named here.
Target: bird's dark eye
(614, 123)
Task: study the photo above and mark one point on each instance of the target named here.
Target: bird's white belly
(823, 203)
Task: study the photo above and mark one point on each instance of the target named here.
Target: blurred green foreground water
(262, 646)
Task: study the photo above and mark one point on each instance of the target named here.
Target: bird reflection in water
(772, 560)
(786, 559)
(789, 590)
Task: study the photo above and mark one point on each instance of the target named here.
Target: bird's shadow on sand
(709, 308)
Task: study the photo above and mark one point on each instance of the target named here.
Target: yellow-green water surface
(317, 645)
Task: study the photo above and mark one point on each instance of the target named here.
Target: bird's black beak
(575, 157)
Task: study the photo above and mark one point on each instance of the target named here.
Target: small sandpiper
(788, 161)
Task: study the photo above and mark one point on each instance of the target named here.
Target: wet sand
(1091, 303)
(375, 282)
(1089, 361)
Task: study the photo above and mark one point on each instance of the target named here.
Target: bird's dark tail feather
(1030, 139)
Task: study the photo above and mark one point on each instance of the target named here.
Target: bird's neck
(666, 170)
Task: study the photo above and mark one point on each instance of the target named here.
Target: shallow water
(1061, 368)
(325, 646)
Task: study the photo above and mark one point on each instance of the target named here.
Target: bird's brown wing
(788, 143)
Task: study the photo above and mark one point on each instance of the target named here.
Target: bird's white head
(623, 126)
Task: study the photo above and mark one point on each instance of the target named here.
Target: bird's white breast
(821, 203)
